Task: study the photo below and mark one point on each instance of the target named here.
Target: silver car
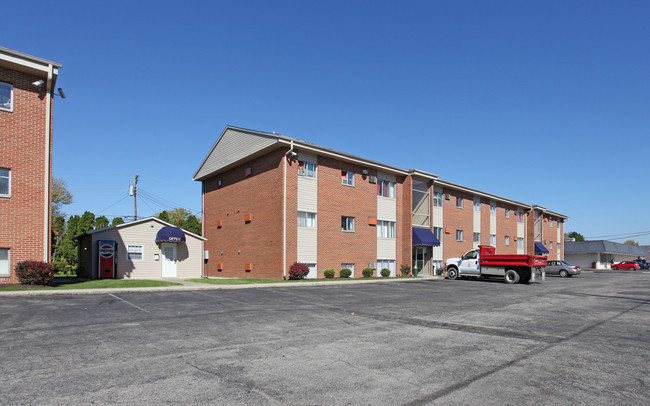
(561, 268)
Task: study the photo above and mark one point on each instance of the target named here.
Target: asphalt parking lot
(581, 340)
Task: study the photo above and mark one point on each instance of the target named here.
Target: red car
(626, 265)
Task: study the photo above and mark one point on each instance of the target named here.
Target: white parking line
(129, 303)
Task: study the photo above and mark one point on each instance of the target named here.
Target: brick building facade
(271, 200)
(26, 91)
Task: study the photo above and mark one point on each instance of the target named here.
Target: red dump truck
(483, 262)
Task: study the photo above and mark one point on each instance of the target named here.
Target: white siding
(477, 221)
(386, 209)
(308, 245)
(558, 240)
(437, 221)
(493, 222)
(521, 233)
(386, 248)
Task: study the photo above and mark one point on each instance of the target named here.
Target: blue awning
(170, 234)
(540, 248)
(424, 236)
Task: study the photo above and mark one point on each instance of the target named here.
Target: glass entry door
(422, 260)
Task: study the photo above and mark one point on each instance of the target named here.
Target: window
(550, 245)
(385, 188)
(558, 245)
(420, 203)
(521, 243)
(477, 237)
(493, 209)
(4, 262)
(5, 182)
(306, 219)
(350, 267)
(6, 96)
(493, 240)
(550, 222)
(134, 252)
(459, 235)
(437, 266)
(507, 241)
(437, 199)
(347, 178)
(347, 224)
(385, 229)
(307, 169)
(520, 216)
(507, 213)
(386, 263)
(477, 205)
(437, 231)
(459, 202)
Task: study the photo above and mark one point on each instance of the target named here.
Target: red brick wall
(506, 226)
(236, 242)
(457, 219)
(335, 200)
(22, 149)
(404, 223)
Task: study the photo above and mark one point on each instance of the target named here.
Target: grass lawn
(91, 284)
(236, 281)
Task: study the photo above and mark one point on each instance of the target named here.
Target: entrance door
(168, 260)
(422, 260)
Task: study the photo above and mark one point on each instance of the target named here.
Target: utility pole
(133, 191)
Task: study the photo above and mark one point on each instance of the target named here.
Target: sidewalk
(190, 286)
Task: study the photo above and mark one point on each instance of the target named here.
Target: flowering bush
(385, 272)
(367, 272)
(298, 271)
(34, 273)
(345, 273)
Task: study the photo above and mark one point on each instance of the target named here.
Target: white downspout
(284, 214)
(48, 139)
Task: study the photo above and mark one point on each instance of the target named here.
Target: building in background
(270, 200)
(27, 86)
(599, 254)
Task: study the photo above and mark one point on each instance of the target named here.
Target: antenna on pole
(133, 191)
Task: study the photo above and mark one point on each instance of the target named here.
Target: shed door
(168, 260)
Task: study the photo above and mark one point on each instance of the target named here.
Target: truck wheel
(511, 276)
(563, 273)
(452, 273)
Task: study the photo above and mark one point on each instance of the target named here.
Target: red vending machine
(107, 264)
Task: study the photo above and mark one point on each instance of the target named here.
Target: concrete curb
(190, 286)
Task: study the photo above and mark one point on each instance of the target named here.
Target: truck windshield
(471, 255)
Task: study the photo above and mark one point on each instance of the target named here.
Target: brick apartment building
(26, 91)
(271, 200)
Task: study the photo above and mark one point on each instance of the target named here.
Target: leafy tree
(86, 223)
(178, 216)
(575, 235)
(117, 221)
(58, 231)
(631, 242)
(67, 251)
(60, 196)
(182, 218)
(163, 215)
(193, 224)
(101, 222)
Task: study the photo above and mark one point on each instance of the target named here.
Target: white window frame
(520, 216)
(388, 264)
(477, 205)
(493, 209)
(307, 169)
(493, 240)
(506, 241)
(550, 223)
(7, 263)
(307, 219)
(437, 199)
(129, 252)
(477, 237)
(459, 235)
(521, 243)
(348, 226)
(347, 178)
(9, 86)
(8, 177)
(459, 202)
(507, 213)
(550, 246)
(385, 229)
(350, 267)
(386, 188)
(437, 231)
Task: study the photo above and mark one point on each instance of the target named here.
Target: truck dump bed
(488, 258)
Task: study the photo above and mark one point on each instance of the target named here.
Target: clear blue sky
(544, 102)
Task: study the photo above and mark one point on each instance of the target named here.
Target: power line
(101, 211)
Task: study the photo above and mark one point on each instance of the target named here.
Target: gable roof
(137, 222)
(602, 246)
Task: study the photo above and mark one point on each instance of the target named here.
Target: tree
(60, 196)
(86, 223)
(58, 231)
(178, 216)
(631, 242)
(575, 235)
(67, 251)
(117, 221)
(163, 215)
(101, 222)
(182, 218)
(193, 224)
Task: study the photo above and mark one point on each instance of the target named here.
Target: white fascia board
(480, 193)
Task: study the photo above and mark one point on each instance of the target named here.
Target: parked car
(643, 264)
(561, 268)
(629, 265)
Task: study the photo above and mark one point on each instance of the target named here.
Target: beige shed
(143, 249)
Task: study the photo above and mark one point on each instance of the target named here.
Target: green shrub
(440, 270)
(34, 273)
(345, 273)
(367, 272)
(329, 273)
(298, 271)
(405, 270)
(385, 272)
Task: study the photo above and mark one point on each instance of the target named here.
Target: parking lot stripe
(129, 303)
